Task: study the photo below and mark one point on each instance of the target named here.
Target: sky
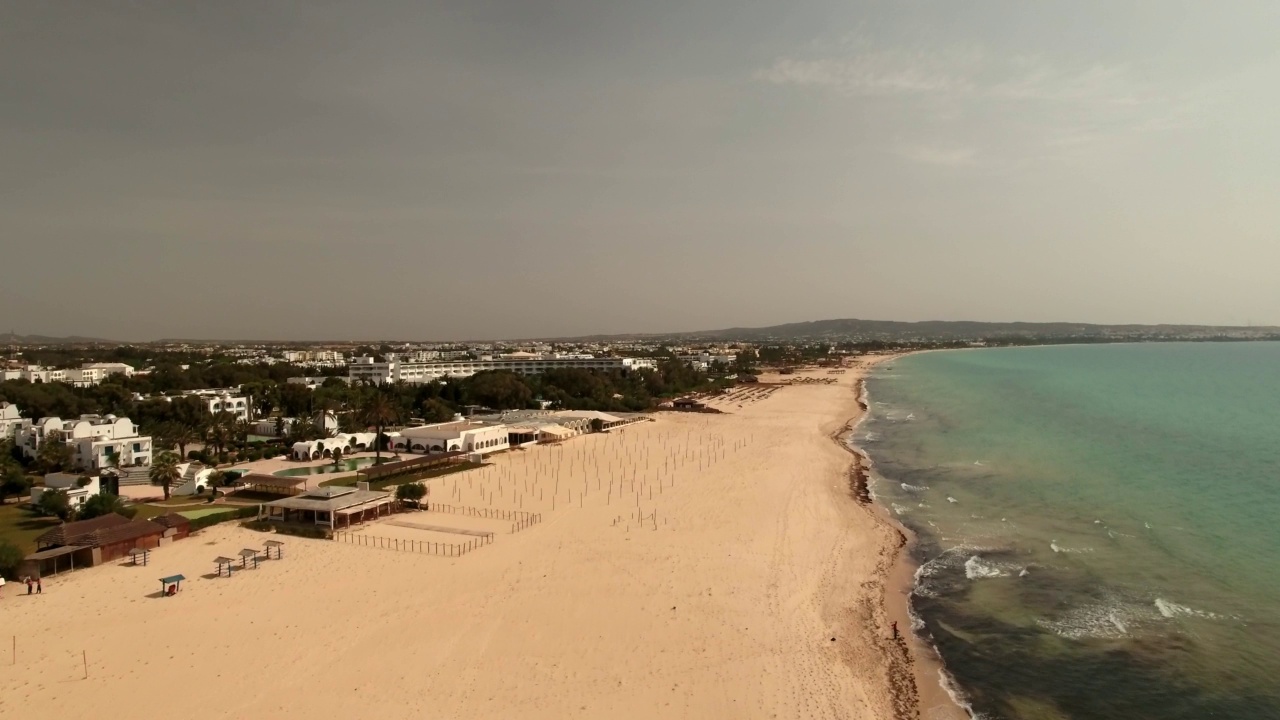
(531, 168)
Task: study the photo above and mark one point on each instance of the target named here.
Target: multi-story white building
(704, 360)
(110, 368)
(11, 421)
(97, 442)
(365, 369)
(83, 376)
(35, 374)
(237, 406)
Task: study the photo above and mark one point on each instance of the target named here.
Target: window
(137, 447)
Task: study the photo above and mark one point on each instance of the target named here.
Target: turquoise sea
(1099, 525)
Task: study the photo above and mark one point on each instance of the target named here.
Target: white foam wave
(975, 568)
(951, 499)
(1170, 609)
(1111, 617)
(914, 488)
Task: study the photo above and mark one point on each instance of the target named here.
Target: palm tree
(183, 435)
(164, 471)
(379, 412)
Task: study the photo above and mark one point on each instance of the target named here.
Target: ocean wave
(899, 509)
(914, 488)
(1054, 546)
(1112, 616)
(975, 568)
(1171, 610)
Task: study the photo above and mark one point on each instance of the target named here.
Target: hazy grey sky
(492, 169)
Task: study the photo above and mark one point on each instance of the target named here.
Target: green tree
(435, 410)
(337, 456)
(182, 436)
(164, 471)
(499, 389)
(104, 504)
(11, 557)
(379, 412)
(55, 503)
(13, 481)
(411, 493)
(54, 454)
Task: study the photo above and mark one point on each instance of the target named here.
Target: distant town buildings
(368, 370)
(83, 376)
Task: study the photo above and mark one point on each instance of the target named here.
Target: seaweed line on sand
(899, 663)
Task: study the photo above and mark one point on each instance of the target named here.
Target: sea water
(1099, 526)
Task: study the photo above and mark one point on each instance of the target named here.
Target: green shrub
(205, 521)
(10, 558)
(307, 531)
(259, 525)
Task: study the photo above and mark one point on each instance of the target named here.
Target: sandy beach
(695, 566)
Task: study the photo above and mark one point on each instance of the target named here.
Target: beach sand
(696, 566)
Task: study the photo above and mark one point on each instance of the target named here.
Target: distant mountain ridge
(10, 338)
(852, 329)
(942, 330)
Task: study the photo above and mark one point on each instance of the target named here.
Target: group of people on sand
(32, 584)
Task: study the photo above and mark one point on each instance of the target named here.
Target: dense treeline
(271, 395)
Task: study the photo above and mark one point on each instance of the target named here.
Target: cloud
(887, 72)
(953, 157)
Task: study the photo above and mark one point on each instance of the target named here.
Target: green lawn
(214, 510)
(21, 527)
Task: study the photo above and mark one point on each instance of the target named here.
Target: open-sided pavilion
(332, 506)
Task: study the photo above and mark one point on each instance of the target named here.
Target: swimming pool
(328, 468)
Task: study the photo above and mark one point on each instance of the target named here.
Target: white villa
(94, 441)
(348, 443)
(11, 421)
(77, 494)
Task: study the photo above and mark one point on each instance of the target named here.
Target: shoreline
(927, 686)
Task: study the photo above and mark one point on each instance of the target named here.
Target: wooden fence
(520, 519)
(413, 546)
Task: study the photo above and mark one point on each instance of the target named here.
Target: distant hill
(942, 331)
(15, 339)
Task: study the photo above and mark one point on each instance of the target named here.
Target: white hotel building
(94, 440)
(365, 369)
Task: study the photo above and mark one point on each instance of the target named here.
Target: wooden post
(85, 657)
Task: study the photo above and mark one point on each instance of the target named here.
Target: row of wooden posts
(413, 546)
(491, 513)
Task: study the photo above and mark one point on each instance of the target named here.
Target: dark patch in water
(997, 663)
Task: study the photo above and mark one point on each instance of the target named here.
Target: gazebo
(137, 554)
(277, 546)
(171, 585)
(226, 562)
(245, 555)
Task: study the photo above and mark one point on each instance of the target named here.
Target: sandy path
(710, 585)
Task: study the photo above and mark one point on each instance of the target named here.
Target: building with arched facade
(348, 443)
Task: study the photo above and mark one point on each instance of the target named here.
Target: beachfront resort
(628, 564)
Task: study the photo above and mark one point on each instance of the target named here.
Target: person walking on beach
(28, 584)
(39, 587)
